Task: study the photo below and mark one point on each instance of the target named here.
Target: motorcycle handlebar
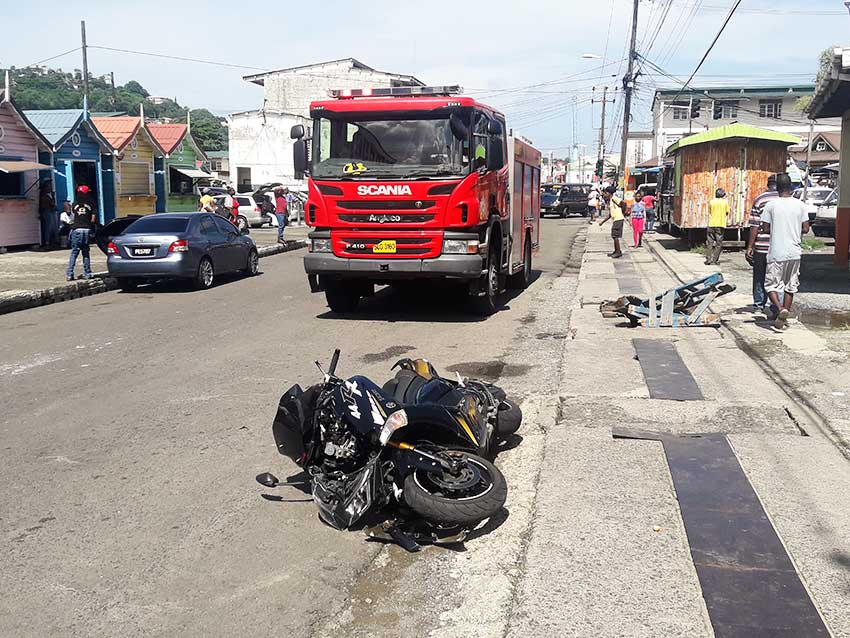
(334, 361)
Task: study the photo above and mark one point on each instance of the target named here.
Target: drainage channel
(749, 583)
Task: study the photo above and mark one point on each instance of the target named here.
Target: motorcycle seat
(410, 388)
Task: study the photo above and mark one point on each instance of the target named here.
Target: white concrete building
(678, 113)
(260, 149)
(639, 147)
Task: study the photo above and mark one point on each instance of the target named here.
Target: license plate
(142, 251)
(386, 246)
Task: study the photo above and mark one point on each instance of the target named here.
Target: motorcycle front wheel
(476, 492)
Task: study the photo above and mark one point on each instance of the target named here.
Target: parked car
(573, 199)
(249, 209)
(192, 246)
(824, 223)
(815, 196)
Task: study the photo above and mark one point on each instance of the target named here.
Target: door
(231, 248)
(243, 180)
(215, 243)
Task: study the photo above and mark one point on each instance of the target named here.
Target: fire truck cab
(416, 182)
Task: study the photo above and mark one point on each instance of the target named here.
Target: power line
(53, 57)
(710, 47)
(180, 58)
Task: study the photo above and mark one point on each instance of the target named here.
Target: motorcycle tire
(509, 418)
(425, 496)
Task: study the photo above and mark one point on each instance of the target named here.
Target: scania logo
(384, 189)
(383, 219)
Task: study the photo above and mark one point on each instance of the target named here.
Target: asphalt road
(133, 425)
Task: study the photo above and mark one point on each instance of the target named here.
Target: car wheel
(488, 303)
(342, 296)
(253, 265)
(127, 284)
(205, 275)
(241, 223)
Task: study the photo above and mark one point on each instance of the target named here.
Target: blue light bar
(396, 91)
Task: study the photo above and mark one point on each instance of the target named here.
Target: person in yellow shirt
(206, 204)
(718, 215)
(616, 208)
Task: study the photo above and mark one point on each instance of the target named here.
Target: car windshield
(157, 224)
(365, 146)
(832, 198)
(549, 189)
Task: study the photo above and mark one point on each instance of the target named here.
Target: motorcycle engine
(342, 450)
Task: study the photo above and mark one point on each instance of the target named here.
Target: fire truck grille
(405, 246)
(386, 204)
(384, 218)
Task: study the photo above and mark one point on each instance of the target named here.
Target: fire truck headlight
(320, 246)
(460, 246)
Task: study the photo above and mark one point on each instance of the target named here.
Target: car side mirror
(495, 154)
(296, 132)
(299, 157)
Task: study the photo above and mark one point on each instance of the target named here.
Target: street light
(596, 56)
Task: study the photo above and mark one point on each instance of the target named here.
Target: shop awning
(20, 166)
(194, 173)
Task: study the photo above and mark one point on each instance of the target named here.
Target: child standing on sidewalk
(637, 219)
(718, 216)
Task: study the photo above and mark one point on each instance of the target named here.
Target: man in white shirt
(787, 220)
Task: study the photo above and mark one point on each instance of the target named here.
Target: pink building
(20, 144)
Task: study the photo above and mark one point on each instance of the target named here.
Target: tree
(208, 130)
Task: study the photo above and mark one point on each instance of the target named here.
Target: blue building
(81, 155)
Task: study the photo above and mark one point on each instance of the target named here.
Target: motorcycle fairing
(293, 423)
(363, 404)
(447, 426)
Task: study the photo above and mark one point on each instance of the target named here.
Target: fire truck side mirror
(299, 158)
(296, 132)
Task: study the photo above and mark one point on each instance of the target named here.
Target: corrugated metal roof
(731, 131)
(55, 124)
(118, 131)
(168, 136)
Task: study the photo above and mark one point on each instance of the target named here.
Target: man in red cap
(82, 214)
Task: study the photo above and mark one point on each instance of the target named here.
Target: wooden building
(133, 153)
(77, 148)
(20, 144)
(737, 158)
(180, 173)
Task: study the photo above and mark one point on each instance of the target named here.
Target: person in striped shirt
(757, 247)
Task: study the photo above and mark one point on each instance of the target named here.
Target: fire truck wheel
(522, 279)
(341, 298)
(486, 304)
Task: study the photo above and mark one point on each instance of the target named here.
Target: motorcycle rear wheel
(476, 493)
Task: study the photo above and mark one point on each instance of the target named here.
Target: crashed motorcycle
(416, 446)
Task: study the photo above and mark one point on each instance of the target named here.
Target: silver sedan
(193, 246)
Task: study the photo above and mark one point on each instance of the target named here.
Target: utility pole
(85, 67)
(628, 87)
(602, 124)
(808, 158)
(112, 82)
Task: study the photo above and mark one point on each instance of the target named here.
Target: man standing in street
(718, 216)
(82, 213)
(617, 214)
(281, 212)
(787, 220)
(757, 247)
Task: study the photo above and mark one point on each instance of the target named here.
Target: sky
(525, 60)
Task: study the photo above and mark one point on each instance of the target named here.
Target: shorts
(782, 276)
(617, 229)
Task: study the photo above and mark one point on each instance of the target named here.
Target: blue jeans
(650, 218)
(79, 239)
(281, 224)
(760, 297)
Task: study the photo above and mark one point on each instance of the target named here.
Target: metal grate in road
(666, 375)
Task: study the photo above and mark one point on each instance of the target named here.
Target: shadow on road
(182, 286)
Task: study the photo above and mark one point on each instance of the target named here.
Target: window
(820, 146)
(770, 108)
(157, 224)
(225, 226)
(479, 140)
(681, 110)
(726, 109)
(11, 184)
(135, 178)
(518, 186)
(208, 226)
(244, 201)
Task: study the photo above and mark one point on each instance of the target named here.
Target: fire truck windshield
(369, 146)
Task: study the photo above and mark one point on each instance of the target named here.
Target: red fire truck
(416, 182)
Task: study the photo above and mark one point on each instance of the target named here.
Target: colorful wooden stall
(177, 191)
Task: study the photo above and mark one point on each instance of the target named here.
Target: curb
(101, 282)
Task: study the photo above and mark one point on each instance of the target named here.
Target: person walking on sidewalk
(637, 220)
(617, 214)
(718, 217)
(758, 244)
(649, 206)
(281, 212)
(787, 220)
(81, 225)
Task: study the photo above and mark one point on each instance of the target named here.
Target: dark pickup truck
(564, 199)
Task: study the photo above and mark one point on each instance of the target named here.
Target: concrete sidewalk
(608, 553)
